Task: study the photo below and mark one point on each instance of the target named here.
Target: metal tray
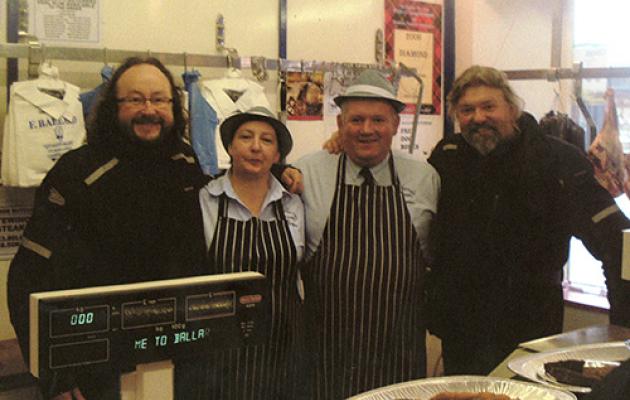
(424, 389)
(533, 366)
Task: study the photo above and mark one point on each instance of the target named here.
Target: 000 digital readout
(82, 318)
(79, 321)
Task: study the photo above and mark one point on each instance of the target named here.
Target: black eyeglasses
(141, 101)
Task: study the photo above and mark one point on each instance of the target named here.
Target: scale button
(250, 299)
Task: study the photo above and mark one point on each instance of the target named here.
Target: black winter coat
(104, 217)
(502, 232)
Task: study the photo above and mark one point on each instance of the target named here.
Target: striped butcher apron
(262, 371)
(365, 291)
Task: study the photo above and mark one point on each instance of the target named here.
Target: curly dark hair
(103, 123)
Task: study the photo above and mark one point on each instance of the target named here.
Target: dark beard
(127, 129)
(162, 145)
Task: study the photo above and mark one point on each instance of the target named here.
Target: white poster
(65, 20)
(413, 36)
(428, 132)
(415, 50)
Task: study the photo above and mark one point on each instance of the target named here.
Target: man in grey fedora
(368, 212)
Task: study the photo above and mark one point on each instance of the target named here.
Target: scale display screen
(86, 320)
(118, 327)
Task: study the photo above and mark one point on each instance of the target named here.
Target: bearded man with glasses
(123, 208)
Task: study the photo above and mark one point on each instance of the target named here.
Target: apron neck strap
(341, 170)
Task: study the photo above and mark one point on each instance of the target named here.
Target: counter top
(589, 335)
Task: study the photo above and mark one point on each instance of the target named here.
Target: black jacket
(615, 386)
(108, 215)
(502, 232)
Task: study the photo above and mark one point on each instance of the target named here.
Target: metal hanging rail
(37, 53)
(19, 50)
(41, 52)
(567, 73)
(578, 74)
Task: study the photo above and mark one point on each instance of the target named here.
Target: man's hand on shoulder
(334, 144)
(293, 179)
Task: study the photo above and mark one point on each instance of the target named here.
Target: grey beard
(484, 145)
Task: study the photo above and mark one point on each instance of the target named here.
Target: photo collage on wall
(305, 96)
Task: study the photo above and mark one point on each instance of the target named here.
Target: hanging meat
(606, 152)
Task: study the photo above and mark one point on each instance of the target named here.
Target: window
(600, 34)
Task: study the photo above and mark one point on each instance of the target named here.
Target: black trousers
(462, 357)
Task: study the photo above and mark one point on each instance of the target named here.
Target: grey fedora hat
(258, 113)
(371, 84)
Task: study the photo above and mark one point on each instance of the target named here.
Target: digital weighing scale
(143, 326)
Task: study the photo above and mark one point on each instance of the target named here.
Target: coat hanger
(47, 76)
(233, 71)
(48, 80)
(557, 107)
(105, 57)
(259, 68)
(107, 70)
(592, 128)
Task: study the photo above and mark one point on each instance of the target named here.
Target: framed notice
(413, 36)
(74, 21)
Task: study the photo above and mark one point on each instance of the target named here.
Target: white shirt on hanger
(228, 96)
(39, 129)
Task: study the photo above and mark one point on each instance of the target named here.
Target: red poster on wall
(413, 36)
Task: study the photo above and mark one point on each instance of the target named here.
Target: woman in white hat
(251, 223)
